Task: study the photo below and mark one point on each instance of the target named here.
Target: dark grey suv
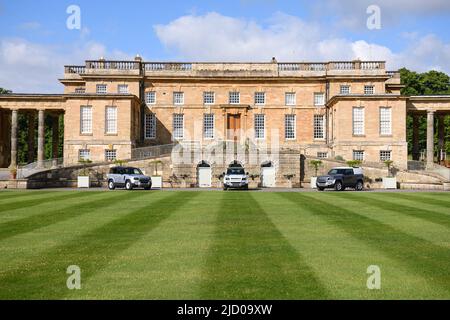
(341, 178)
(128, 178)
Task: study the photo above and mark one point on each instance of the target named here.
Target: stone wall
(292, 171)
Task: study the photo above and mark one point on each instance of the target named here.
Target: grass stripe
(91, 251)
(339, 260)
(60, 196)
(432, 232)
(250, 258)
(416, 197)
(44, 219)
(11, 195)
(420, 256)
(414, 211)
(166, 263)
(24, 196)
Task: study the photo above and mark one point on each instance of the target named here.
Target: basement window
(358, 155)
(110, 155)
(84, 154)
(385, 155)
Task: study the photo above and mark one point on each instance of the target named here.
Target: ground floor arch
(268, 174)
(204, 175)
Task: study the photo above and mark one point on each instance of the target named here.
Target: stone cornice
(337, 98)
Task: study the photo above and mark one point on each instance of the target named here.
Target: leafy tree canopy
(428, 83)
(4, 91)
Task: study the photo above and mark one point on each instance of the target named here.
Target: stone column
(415, 138)
(430, 139)
(41, 138)
(55, 136)
(31, 127)
(13, 139)
(441, 134)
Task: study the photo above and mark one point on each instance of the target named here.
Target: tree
(316, 164)
(4, 91)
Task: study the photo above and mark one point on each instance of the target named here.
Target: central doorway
(233, 126)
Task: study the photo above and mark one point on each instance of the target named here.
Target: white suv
(235, 178)
(129, 178)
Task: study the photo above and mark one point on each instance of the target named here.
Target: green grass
(224, 245)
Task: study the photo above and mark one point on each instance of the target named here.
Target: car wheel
(320, 189)
(111, 185)
(359, 186)
(338, 186)
(225, 188)
(128, 185)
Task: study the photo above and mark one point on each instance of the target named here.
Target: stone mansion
(346, 109)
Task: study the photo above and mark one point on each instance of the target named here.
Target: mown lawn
(224, 245)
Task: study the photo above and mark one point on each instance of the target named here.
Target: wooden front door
(233, 126)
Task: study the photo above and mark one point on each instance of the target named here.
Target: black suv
(341, 178)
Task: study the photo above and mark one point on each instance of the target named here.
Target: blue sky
(34, 38)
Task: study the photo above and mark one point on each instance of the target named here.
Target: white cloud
(30, 67)
(216, 37)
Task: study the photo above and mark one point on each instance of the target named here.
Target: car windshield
(235, 171)
(336, 171)
(132, 171)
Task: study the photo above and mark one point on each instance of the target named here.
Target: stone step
(421, 186)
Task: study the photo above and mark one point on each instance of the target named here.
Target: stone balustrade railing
(228, 69)
(75, 69)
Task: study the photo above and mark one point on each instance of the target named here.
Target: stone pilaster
(14, 115)
(430, 138)
(441, 133)
(41, 137)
